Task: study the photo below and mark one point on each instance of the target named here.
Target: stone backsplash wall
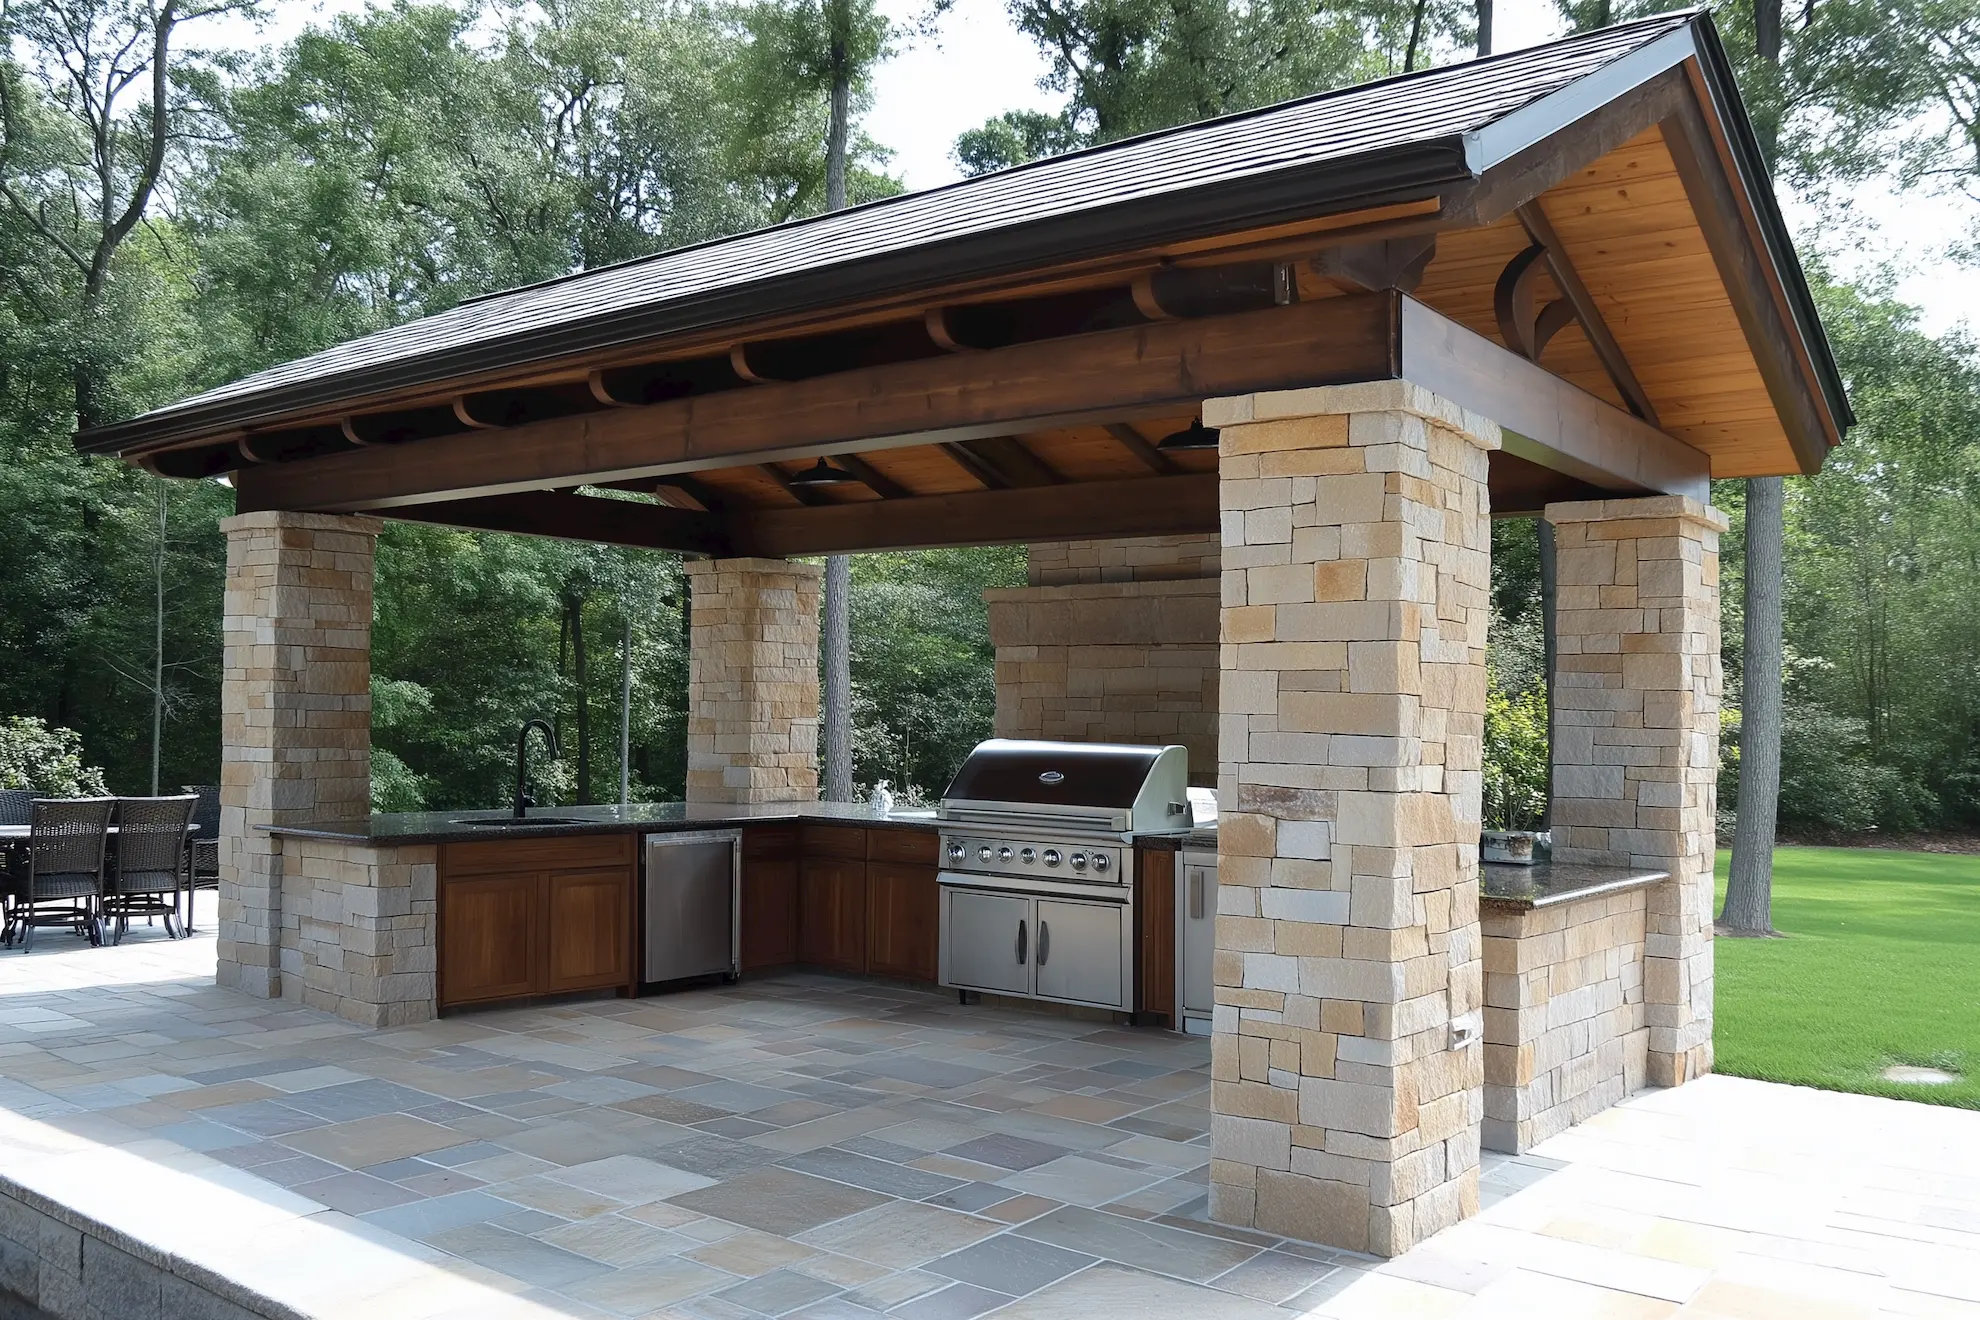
(1565, 1029)
(1113, 641)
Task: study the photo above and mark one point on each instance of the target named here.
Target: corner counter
(365, 930)
(1566, 1030)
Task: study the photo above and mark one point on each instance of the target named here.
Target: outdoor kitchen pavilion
(1551, 282)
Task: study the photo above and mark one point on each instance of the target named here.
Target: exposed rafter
(872, 477)
(1148, 455)
(1576, 294)
(1371, 267)
(802, 494)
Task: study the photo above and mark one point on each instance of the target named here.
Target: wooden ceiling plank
(1534, 218)
(872, 477)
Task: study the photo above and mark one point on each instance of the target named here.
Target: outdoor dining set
(93, 864)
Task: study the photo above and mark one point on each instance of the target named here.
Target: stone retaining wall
(1565, 1029)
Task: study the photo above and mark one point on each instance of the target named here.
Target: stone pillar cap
(357, 524)
(1647, 506)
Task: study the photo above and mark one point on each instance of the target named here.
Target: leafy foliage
(34, 756)
(1516, 759)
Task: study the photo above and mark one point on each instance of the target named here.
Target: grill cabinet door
(983, 936)
(1079, 952)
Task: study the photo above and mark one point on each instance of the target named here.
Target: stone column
(295, 712)
(1636, 736)
(753, 681)
(1346, 1063)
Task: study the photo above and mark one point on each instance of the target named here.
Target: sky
(977, 65)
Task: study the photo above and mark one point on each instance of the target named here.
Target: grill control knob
(1004, 854)
(1051, 857)
(983, 854)
(1078, 861)
(1100, 863)
(1029, 856)
(957, 852)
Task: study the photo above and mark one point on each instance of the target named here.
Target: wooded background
(172, 217)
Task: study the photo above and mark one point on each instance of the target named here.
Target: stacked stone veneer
(1112, 641)
(1347, 1069)
(1565, 1033)
(295, 712)
(753, 681)
(359, 929)
(1636, 736)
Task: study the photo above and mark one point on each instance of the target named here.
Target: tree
(1130, 66)
(828, 48)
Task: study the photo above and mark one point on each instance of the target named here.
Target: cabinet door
(587, 929)
(1079, 953)
(489, 938)
(986, 941)
(902, 911)
(832, 914)
(769, 913)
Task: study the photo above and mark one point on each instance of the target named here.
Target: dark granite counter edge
(373, 834)
(1554, 884)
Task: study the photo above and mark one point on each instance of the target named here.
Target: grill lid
(1107, 786)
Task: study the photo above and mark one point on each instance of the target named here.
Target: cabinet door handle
(1196, 893)
(1044, 941)
(1020, 944)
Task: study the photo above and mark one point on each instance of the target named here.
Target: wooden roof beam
(802, 494)
(572, 517)
(1145, 370)
(872, 477)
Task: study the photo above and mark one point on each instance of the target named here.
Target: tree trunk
(1749, 892)
(1749, 908)
(578, 672)
(162, 497)
(1549, 646)
(1415, 35)
(837, 630)
(1484, 28)
(625, 715)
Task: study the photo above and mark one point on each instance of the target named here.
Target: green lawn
(1881, 966)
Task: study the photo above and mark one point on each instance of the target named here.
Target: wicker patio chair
(204, 872)
(66, 855)
(151, 856)
(16, 808)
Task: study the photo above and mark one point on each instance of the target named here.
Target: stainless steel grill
(1038, 879)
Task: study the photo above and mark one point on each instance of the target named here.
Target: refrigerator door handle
(1196, 893)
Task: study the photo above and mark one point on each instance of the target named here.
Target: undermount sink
(512, 822)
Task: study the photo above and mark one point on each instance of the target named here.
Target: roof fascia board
(1538, 120)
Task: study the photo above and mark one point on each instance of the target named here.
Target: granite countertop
(638, 817)
(1544, 884)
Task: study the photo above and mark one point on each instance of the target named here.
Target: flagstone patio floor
(833, 1150)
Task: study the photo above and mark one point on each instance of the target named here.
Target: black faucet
(522, 759)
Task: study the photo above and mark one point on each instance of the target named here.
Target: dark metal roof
(1395, 139)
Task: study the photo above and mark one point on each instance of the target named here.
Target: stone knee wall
(360, 929)
(295, 712)
(753, 681)
(1136, 559)
(1131, 662)
(1565, 1028)
(1346, 1064)
(1637, 686)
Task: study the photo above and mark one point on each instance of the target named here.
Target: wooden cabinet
(488, 940)
(587, 930)
(1155, 914)
(832, 913)
(769, 934)
(902, 918)
(537, 916)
